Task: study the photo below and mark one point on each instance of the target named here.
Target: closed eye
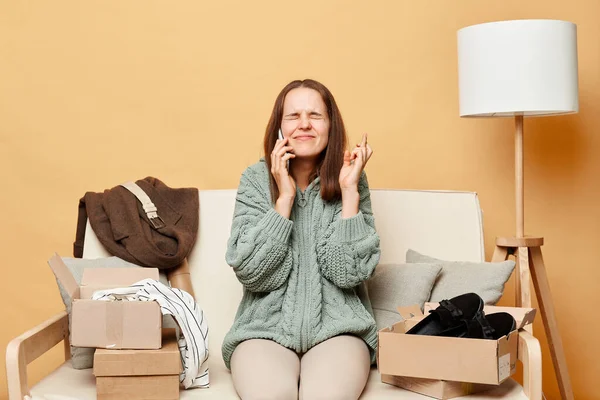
(292, 116)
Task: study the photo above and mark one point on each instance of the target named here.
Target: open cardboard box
(464, 364)
(110, 324)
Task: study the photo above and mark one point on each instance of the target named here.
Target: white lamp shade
(521, 67)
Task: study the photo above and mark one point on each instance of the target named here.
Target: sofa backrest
(442, 224)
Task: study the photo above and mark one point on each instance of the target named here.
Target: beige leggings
(337, 368)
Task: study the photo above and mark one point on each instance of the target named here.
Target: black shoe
(491, 326)
(451, 318)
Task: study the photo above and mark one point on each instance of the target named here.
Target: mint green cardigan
(304, 277)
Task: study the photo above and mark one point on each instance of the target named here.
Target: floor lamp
(519, 69)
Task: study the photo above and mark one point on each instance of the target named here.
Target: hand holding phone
(288, 161)
(284, 180)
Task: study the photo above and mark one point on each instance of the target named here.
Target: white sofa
(442, 224)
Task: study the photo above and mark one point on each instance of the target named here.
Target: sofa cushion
(457, 277)
(400, 285)
(67, 383)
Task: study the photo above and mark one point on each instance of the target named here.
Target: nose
(304, 121)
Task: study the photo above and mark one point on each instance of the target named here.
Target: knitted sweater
(304, 277)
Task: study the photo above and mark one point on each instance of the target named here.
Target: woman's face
(305, 122)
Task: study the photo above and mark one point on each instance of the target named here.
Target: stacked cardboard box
(139, 374)
(447, 367)
(135, 358)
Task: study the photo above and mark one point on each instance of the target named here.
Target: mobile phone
(281, 137)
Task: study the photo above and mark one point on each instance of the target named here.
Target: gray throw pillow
(457, 277)
(400, 285)
(83, 357)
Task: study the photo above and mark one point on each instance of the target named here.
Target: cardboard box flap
(527, 318)
(110, 278)
(119, 277)
(62, 273)
(410, 311)
(522, 315)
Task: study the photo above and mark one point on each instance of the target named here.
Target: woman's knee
(282, 386)
(262, 369)
(337, 368)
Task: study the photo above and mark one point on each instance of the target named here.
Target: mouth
(304, 137)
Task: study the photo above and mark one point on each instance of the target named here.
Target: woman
(302, 244)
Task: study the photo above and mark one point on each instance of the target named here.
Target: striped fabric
(193, 344)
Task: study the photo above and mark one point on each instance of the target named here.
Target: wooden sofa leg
(67, 347)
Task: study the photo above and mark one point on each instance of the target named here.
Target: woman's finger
(286, 149)
(283, 152)
(347, 158)
(287, 156)
(279, 143)
(351, 156)
(369, 151)
(358, 156)
(283, 166)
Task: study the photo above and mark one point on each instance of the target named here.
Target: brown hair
(331, 159)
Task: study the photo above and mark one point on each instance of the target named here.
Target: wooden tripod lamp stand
(518, 69)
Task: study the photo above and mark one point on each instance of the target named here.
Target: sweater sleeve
(348, 251)
(258, 248)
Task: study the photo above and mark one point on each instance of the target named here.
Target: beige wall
(93, 93)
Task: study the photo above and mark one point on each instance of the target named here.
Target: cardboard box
(436, 388)
(161, 387)
(164, 361)
(139, 374)
(110, 324)
(448, 359)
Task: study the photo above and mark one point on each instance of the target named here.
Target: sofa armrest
(530, 354)
(22, 350)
